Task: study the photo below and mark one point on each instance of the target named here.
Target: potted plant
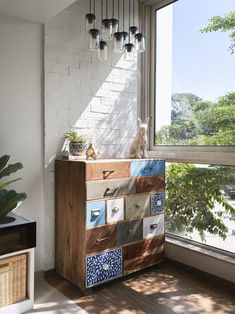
(77, 142)
(9, 199)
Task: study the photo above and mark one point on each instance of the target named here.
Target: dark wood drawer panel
(100, 239)
(150, 184)
(107, 170)
(110, 188)
(137, 205)
(146, 247)
(131, 266)
(129, 231)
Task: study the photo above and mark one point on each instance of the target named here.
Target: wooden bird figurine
(91, 153)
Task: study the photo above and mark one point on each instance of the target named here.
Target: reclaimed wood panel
(129, 231)
(100, 239)
(108, 170)
(150, 184)
(110, 188)
(137, 205)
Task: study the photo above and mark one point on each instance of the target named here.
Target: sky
(201, 62)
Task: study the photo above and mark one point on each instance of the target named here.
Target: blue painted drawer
(95, 213)
(157, 203)
(103, 267)
(147, 168)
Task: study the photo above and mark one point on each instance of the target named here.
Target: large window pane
(195, 86)
(200, 204)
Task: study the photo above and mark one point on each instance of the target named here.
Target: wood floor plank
(164, 290)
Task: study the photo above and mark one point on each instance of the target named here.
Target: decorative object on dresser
(109, 218)
(77, 142)
(17, 243)
(91, 153)
(9, 199)
(140, 143)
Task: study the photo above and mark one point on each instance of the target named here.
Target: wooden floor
(163, 290)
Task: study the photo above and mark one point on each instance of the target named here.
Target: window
(194, 91)
(190, 96)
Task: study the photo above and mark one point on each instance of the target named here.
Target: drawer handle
(105, 266)
(137, 206)
(146, 168)
(148, 253)
(109, 192)
(115, 209)
(95, 212)
(153, 226)
(129, 231)
(107, 173)
(102, 239)
(150, 184)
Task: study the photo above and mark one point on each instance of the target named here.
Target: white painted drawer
(153, 226)
(115, 210)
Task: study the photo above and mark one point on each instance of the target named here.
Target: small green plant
(74, 136)
(9, 199)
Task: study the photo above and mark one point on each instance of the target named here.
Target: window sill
(202, 249)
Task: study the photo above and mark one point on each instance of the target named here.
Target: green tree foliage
(224, 23)
(192, 194)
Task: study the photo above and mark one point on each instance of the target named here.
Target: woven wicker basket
(13, 273)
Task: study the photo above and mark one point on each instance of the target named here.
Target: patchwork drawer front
(147, 168)
(150, 184)
(157, 203)
(95, 213)
(129, 231)
(153, 226)
(107, 170)
(137, 205)
(115, 210)
(110, 188)
(100, 239)
(144, 248)
(103, 267)
(131, 266)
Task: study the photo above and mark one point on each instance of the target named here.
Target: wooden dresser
(109, 218)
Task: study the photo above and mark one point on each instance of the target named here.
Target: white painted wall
(21, 112)
(98, 98)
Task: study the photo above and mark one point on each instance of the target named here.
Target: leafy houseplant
(77, 142)
(9, 199)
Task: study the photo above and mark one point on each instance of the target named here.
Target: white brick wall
(97, 98)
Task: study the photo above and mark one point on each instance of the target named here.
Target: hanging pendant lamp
(114, 22)
(139, 42)
(124, 34)
(133, 29)
(129, 47)
(118, 37)
(94, 36)
(106, 28)
(102, 52)
(90, 19)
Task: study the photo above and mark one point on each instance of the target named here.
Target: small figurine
(140, 143)
(91, 153)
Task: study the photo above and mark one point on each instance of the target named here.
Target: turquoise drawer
(147, 168)
(95, 213)
(103, 267)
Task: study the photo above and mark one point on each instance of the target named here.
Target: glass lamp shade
(133, 31)
(114, 24)
(102, 52)
(106, 29)
(125, 38)
(129, 52)
(90, 21)
(118, 42)
(94, 38)
(139, 42)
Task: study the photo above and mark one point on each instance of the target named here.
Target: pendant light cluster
(123, 41)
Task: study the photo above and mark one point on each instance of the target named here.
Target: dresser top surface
(106, 160)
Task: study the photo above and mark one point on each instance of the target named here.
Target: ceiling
(38, 11)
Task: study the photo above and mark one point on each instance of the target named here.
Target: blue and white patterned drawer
(147, 168)
(157, 203)
(103, 267)
(95, 213)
